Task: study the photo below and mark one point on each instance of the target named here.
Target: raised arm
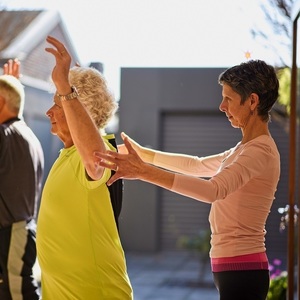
(84, 132)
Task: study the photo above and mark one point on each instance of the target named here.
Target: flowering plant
(278, 282)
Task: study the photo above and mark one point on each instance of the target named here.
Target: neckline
(257, 137)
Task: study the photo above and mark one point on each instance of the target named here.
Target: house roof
(24, 37)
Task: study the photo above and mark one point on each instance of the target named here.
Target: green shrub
(278, 282)
(278, 287)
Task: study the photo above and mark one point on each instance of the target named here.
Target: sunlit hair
(94, 94)
(12, 90)
(254, 76)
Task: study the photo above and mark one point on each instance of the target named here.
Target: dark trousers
(242, 285)
(17, 257)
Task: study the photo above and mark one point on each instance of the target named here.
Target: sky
(160, 33)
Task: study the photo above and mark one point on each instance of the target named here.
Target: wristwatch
(73, 95)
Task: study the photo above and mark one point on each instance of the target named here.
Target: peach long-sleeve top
(240, 185)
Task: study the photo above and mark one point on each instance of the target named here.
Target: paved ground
(170, 276)
(165, 276)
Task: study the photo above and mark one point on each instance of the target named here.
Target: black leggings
(242, 285)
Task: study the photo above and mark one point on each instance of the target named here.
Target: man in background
(21, 171)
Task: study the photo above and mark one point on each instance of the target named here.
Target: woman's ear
(254, 101)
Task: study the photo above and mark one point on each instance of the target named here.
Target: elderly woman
(242, 183)
(79, 249)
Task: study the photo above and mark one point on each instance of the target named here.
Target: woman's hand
(146, 154)
(127, 165)
(122, 148)
(60, 73)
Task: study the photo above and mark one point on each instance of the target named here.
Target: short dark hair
(254, 76)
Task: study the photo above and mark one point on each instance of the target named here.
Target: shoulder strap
(116, 191)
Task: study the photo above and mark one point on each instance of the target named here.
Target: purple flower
(277, 262)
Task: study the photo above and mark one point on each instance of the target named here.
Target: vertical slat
(292, 169)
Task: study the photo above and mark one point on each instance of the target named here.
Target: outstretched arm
(176, 162)
(131, 166)
(234, 175)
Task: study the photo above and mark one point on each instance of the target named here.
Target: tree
(278, 14)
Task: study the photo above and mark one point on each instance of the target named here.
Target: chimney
(98, 66)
